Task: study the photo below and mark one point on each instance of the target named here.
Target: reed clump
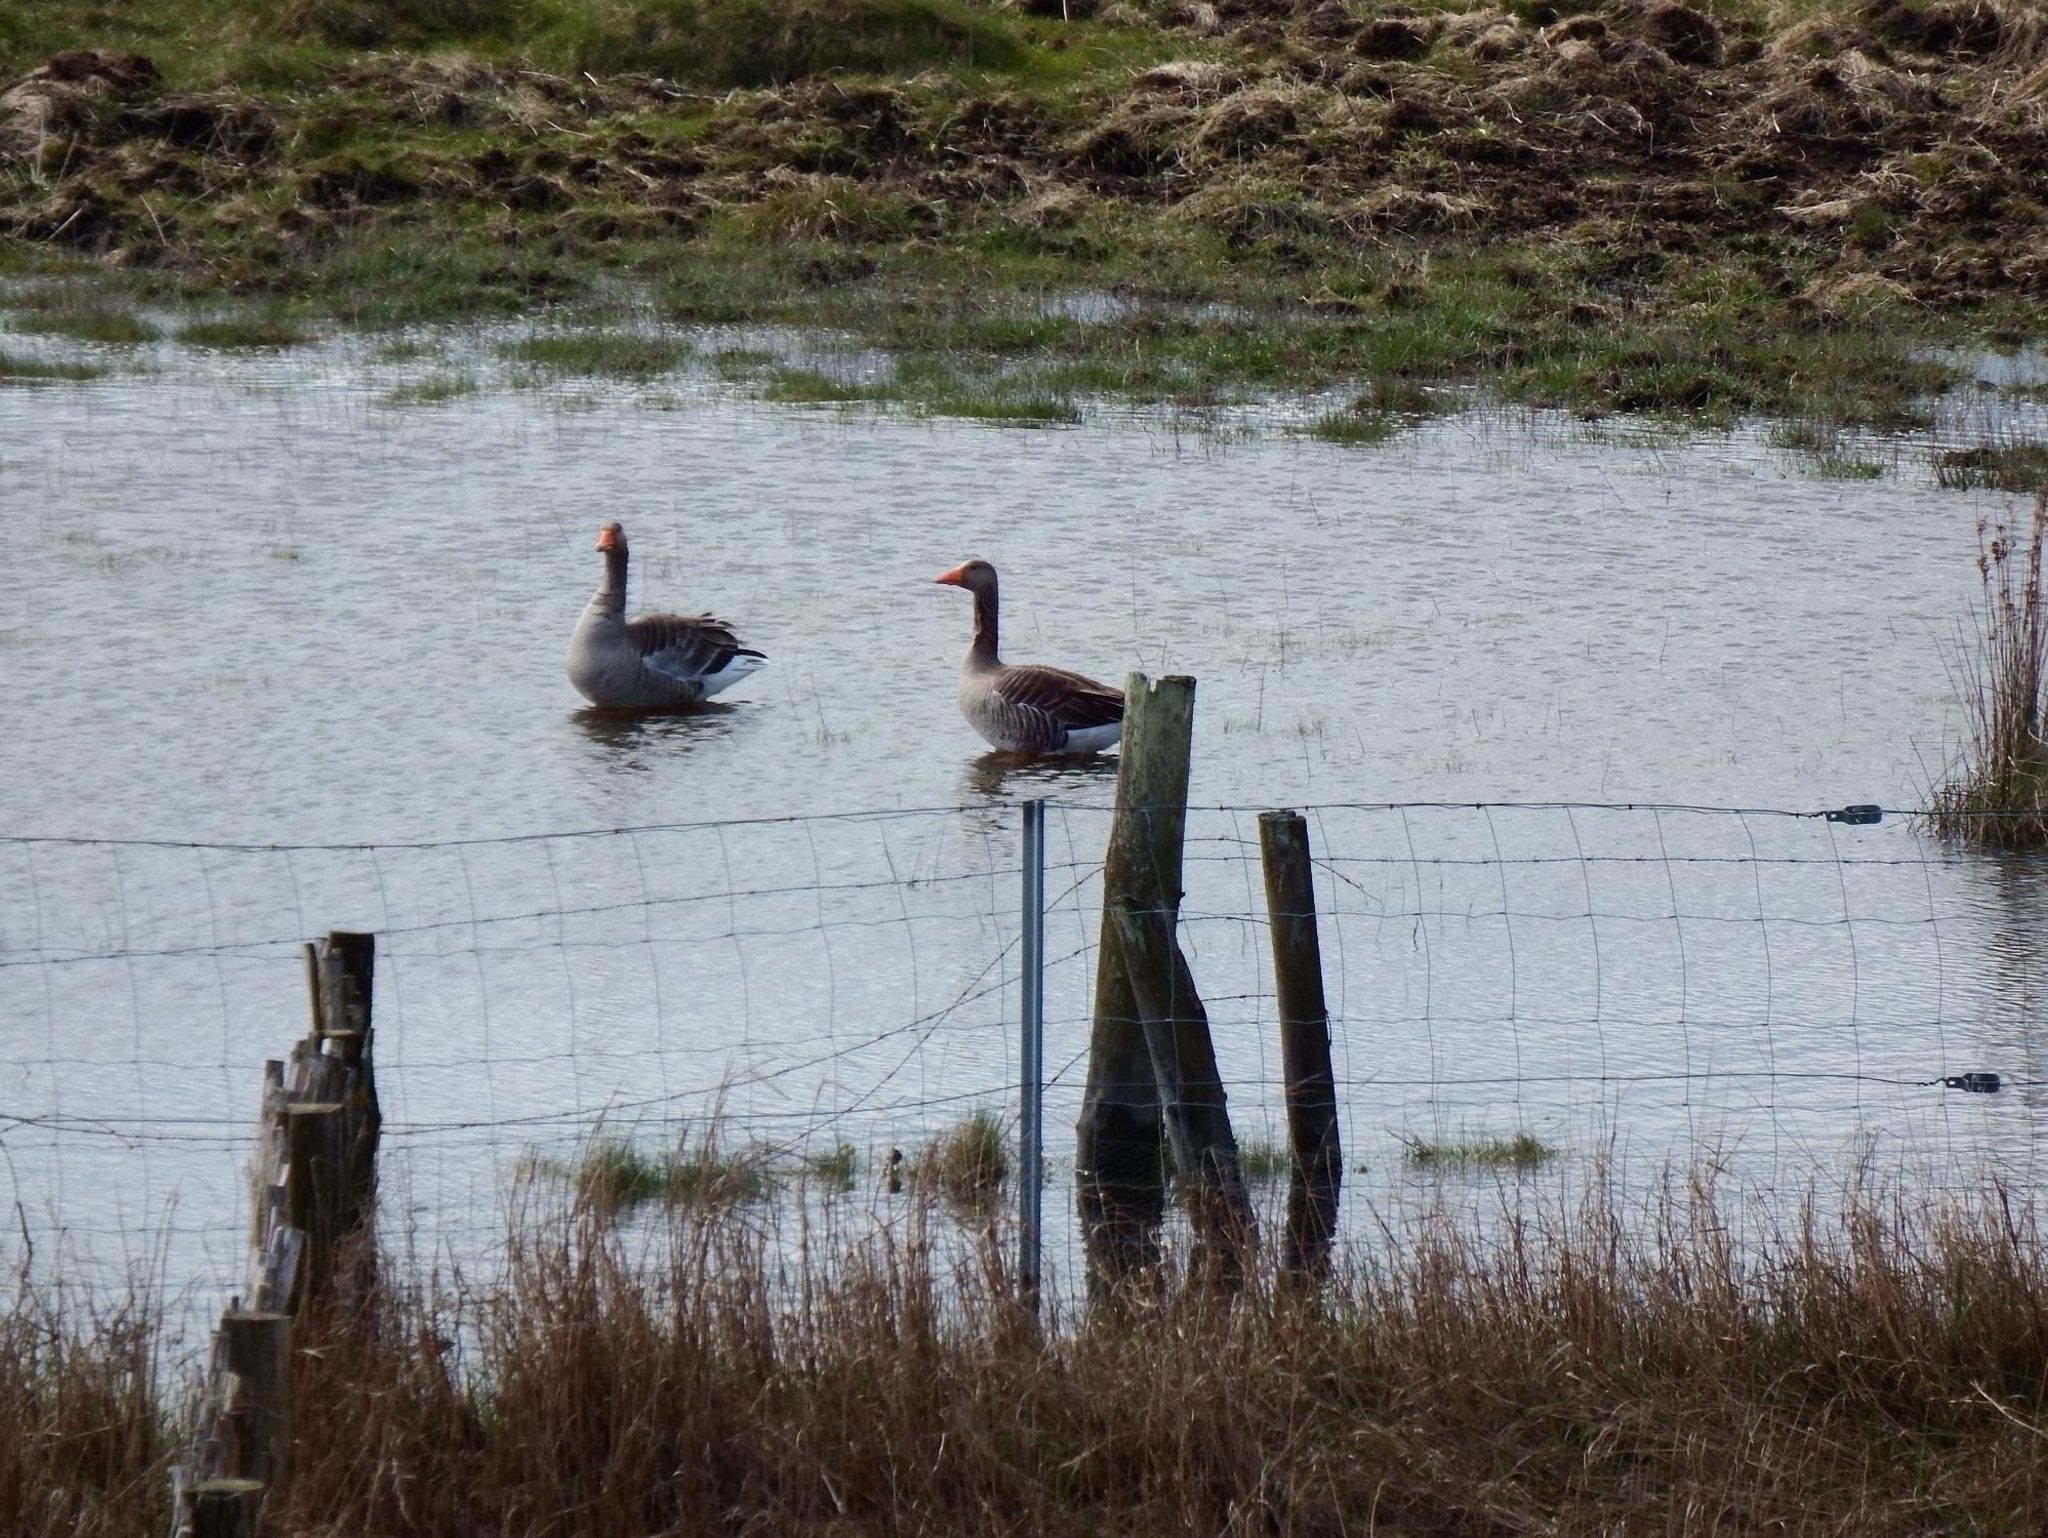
(1585, 1372)
(1996, 795)
(1567, 1367)
(84, 1444)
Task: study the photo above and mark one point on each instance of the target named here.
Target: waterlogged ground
(307, 599)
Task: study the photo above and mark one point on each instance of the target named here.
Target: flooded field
(284, 655)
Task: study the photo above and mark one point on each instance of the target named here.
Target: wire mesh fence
(1787, 999)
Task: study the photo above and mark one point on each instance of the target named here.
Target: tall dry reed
(83, 1445)
(1584, 1371)
(1997, 793)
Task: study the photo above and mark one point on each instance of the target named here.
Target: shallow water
(248, 605)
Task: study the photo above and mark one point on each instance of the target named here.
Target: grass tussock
(106, 324)
(969, 1161)
(16, 369)
(1586, 1372)
(237, 333)
(833, 1169)
(435, 390)
(613, 1174)
(1997, 793)
(614, 354)
(1521, 1151)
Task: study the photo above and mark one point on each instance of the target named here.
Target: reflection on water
(1025, 776)
(637, 741)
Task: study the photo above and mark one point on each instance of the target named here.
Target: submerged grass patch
(835, 1168)
(434, 391)
(105, 324)
(619, 354)
(1998, 466)
(243, 332)
(16, 369)
(1522, 1150)
(612, 1174)
(969, 1161)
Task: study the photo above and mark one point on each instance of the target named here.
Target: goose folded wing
(685, 645)
(1075, 702)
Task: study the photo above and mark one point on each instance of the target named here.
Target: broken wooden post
(1191, 1099)
(1316, 1162)
(314, 1188)
(223, 1508)
(1119, 1175)
(256, 1349)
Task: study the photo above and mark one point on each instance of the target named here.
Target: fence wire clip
(1859, 816)
(1973, 1083)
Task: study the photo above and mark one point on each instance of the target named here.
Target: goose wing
(684, 646)
(1070, 699)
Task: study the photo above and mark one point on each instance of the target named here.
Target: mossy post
(1119, 1171)
(1316, 1165)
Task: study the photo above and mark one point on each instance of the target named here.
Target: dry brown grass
(1586, 1370)
(1584, 1373)
(83, 1449)
(1997, 793)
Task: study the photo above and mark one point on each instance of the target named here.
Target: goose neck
(983, 648)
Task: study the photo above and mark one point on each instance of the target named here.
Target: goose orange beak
(606, 539)
(952, 578)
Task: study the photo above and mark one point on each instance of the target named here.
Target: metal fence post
(1031, 1101)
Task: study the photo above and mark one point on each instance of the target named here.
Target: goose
(655, 662)
(1026, 707)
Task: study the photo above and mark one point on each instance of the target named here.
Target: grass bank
(1739, 208)
(1591, 1371)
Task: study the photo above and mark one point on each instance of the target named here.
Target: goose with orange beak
(1023, 707)
(654, 662)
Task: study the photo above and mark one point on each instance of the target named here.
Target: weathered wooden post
(1316, 1164)
(314, 1189)
(256, 1348)
(1119, 1174)
(313, 1200)
(224, 1507)
(1191, 1098)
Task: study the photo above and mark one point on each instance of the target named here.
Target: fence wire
(1783, 998)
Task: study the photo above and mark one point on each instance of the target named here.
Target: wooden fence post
(256, 1348)
(1316, 1164)
(1191, 1095)
(313, 1201)
(1119, 1174)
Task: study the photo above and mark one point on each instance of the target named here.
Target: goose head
(612, 537)
(977, 576)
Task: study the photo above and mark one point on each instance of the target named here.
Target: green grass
(613, 1174)
(1351, 427)
(15, 369)
(1848, 467)
(2020, 467)
(88, 322)
(242, 333)
(913, 176)
(834, 1169)
(969, 1161)
(616, 354)
(1263, 1161)
(1521, 1151)
(434, 391)
(809, 387)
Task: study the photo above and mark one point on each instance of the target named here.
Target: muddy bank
(1891, 159)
